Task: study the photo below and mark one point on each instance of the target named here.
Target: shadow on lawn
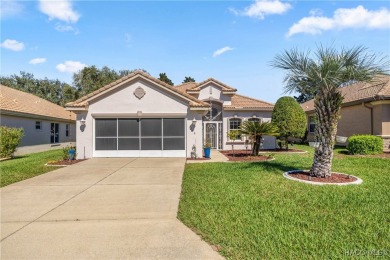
(277, 166)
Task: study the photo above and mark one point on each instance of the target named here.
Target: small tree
(289, 118)
(255, 131)
(10, 138)
(233, 134)
(188, 79)
(163, 77)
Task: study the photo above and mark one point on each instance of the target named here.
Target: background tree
(52, 90)
(255, 131)
(325, 72)
(163, 77)
(188, 79)
(289, 118)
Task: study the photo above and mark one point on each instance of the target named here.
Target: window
(234, 124)
(67, 130)
(312, 124)
(254, 119)
(38, 125)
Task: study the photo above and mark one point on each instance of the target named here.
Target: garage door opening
(139, 137)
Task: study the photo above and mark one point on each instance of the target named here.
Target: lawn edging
(356, 182)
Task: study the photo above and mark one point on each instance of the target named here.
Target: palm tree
(324, 74)
(256, 130)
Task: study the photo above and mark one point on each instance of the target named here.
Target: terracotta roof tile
(14, 100)
(378, 88)
(224, 86)
(185, 86)
(240, 101)
(82, 101)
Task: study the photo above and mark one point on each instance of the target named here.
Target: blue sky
(232, 41)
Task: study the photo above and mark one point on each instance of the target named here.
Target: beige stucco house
(141, 116)
(365, 110)
(46, 125)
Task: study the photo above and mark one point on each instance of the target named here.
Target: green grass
(250, 211)
(27, 166)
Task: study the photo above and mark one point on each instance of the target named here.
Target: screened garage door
(134, 137)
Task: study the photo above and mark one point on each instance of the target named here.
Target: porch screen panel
(106, 134)
(151, 134)
(128, 134)
(173, 134)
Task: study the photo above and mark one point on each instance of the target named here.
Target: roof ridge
(255, 99)
(216, 81)
(129, 76)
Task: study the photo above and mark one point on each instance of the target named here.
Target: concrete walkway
(215, 156)
(105, 208)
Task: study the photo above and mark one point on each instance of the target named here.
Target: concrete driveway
(106, 208)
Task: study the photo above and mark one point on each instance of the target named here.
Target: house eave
(34, 116)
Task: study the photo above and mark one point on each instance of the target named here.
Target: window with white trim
(235, 124)
(312, 124)
(38, 125)
(254, 119)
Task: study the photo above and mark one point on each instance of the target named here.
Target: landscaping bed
(334, 178)
(282, 151)
(64, 162)
(244, 155)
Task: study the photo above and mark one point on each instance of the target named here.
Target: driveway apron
(106, 208)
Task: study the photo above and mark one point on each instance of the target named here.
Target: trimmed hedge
(365, 144)
(10, 138)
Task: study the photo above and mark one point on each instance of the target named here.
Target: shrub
(290, 119)
(365, 144)
(10, 138)
(65, 152)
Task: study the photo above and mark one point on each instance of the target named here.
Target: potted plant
(207, 149)
(72, 152)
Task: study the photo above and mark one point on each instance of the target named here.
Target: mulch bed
(244, 156)
(65, 162)
(335, 178)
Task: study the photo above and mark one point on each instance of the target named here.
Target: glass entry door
(212, 133)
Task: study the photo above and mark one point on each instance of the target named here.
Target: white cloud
(37, 61)
(12, 45)
(343, 18)
(222, 50)
(59, 9)
(70, 66)
(10, 8)
(260, 8)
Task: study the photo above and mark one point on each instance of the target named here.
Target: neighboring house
(141, 116)
(45, 124)
(365, 110)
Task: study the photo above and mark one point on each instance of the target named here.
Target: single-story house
(45, 124)
(365, 110)
(141, 116)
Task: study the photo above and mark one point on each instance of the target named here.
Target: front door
(212, 133)
(54, 133)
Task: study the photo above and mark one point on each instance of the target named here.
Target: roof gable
(244, 102)
(201, 85)
(378, 88)
(84, 101)
(19, 102)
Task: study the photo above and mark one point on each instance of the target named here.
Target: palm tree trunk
(327, 108)
(256, 146)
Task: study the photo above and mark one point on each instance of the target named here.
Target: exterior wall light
(235, 115)
(82, 121)
(194, 121)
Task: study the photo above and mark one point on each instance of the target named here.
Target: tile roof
(83, 101)
(378, 88)
(185, 86)
(223, 85)
(240, 101)
(16, 101)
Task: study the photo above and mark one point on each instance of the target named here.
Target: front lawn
(250, 211)
(27, 166)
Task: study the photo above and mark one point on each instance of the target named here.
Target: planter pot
(207, 152)
(71, 154)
